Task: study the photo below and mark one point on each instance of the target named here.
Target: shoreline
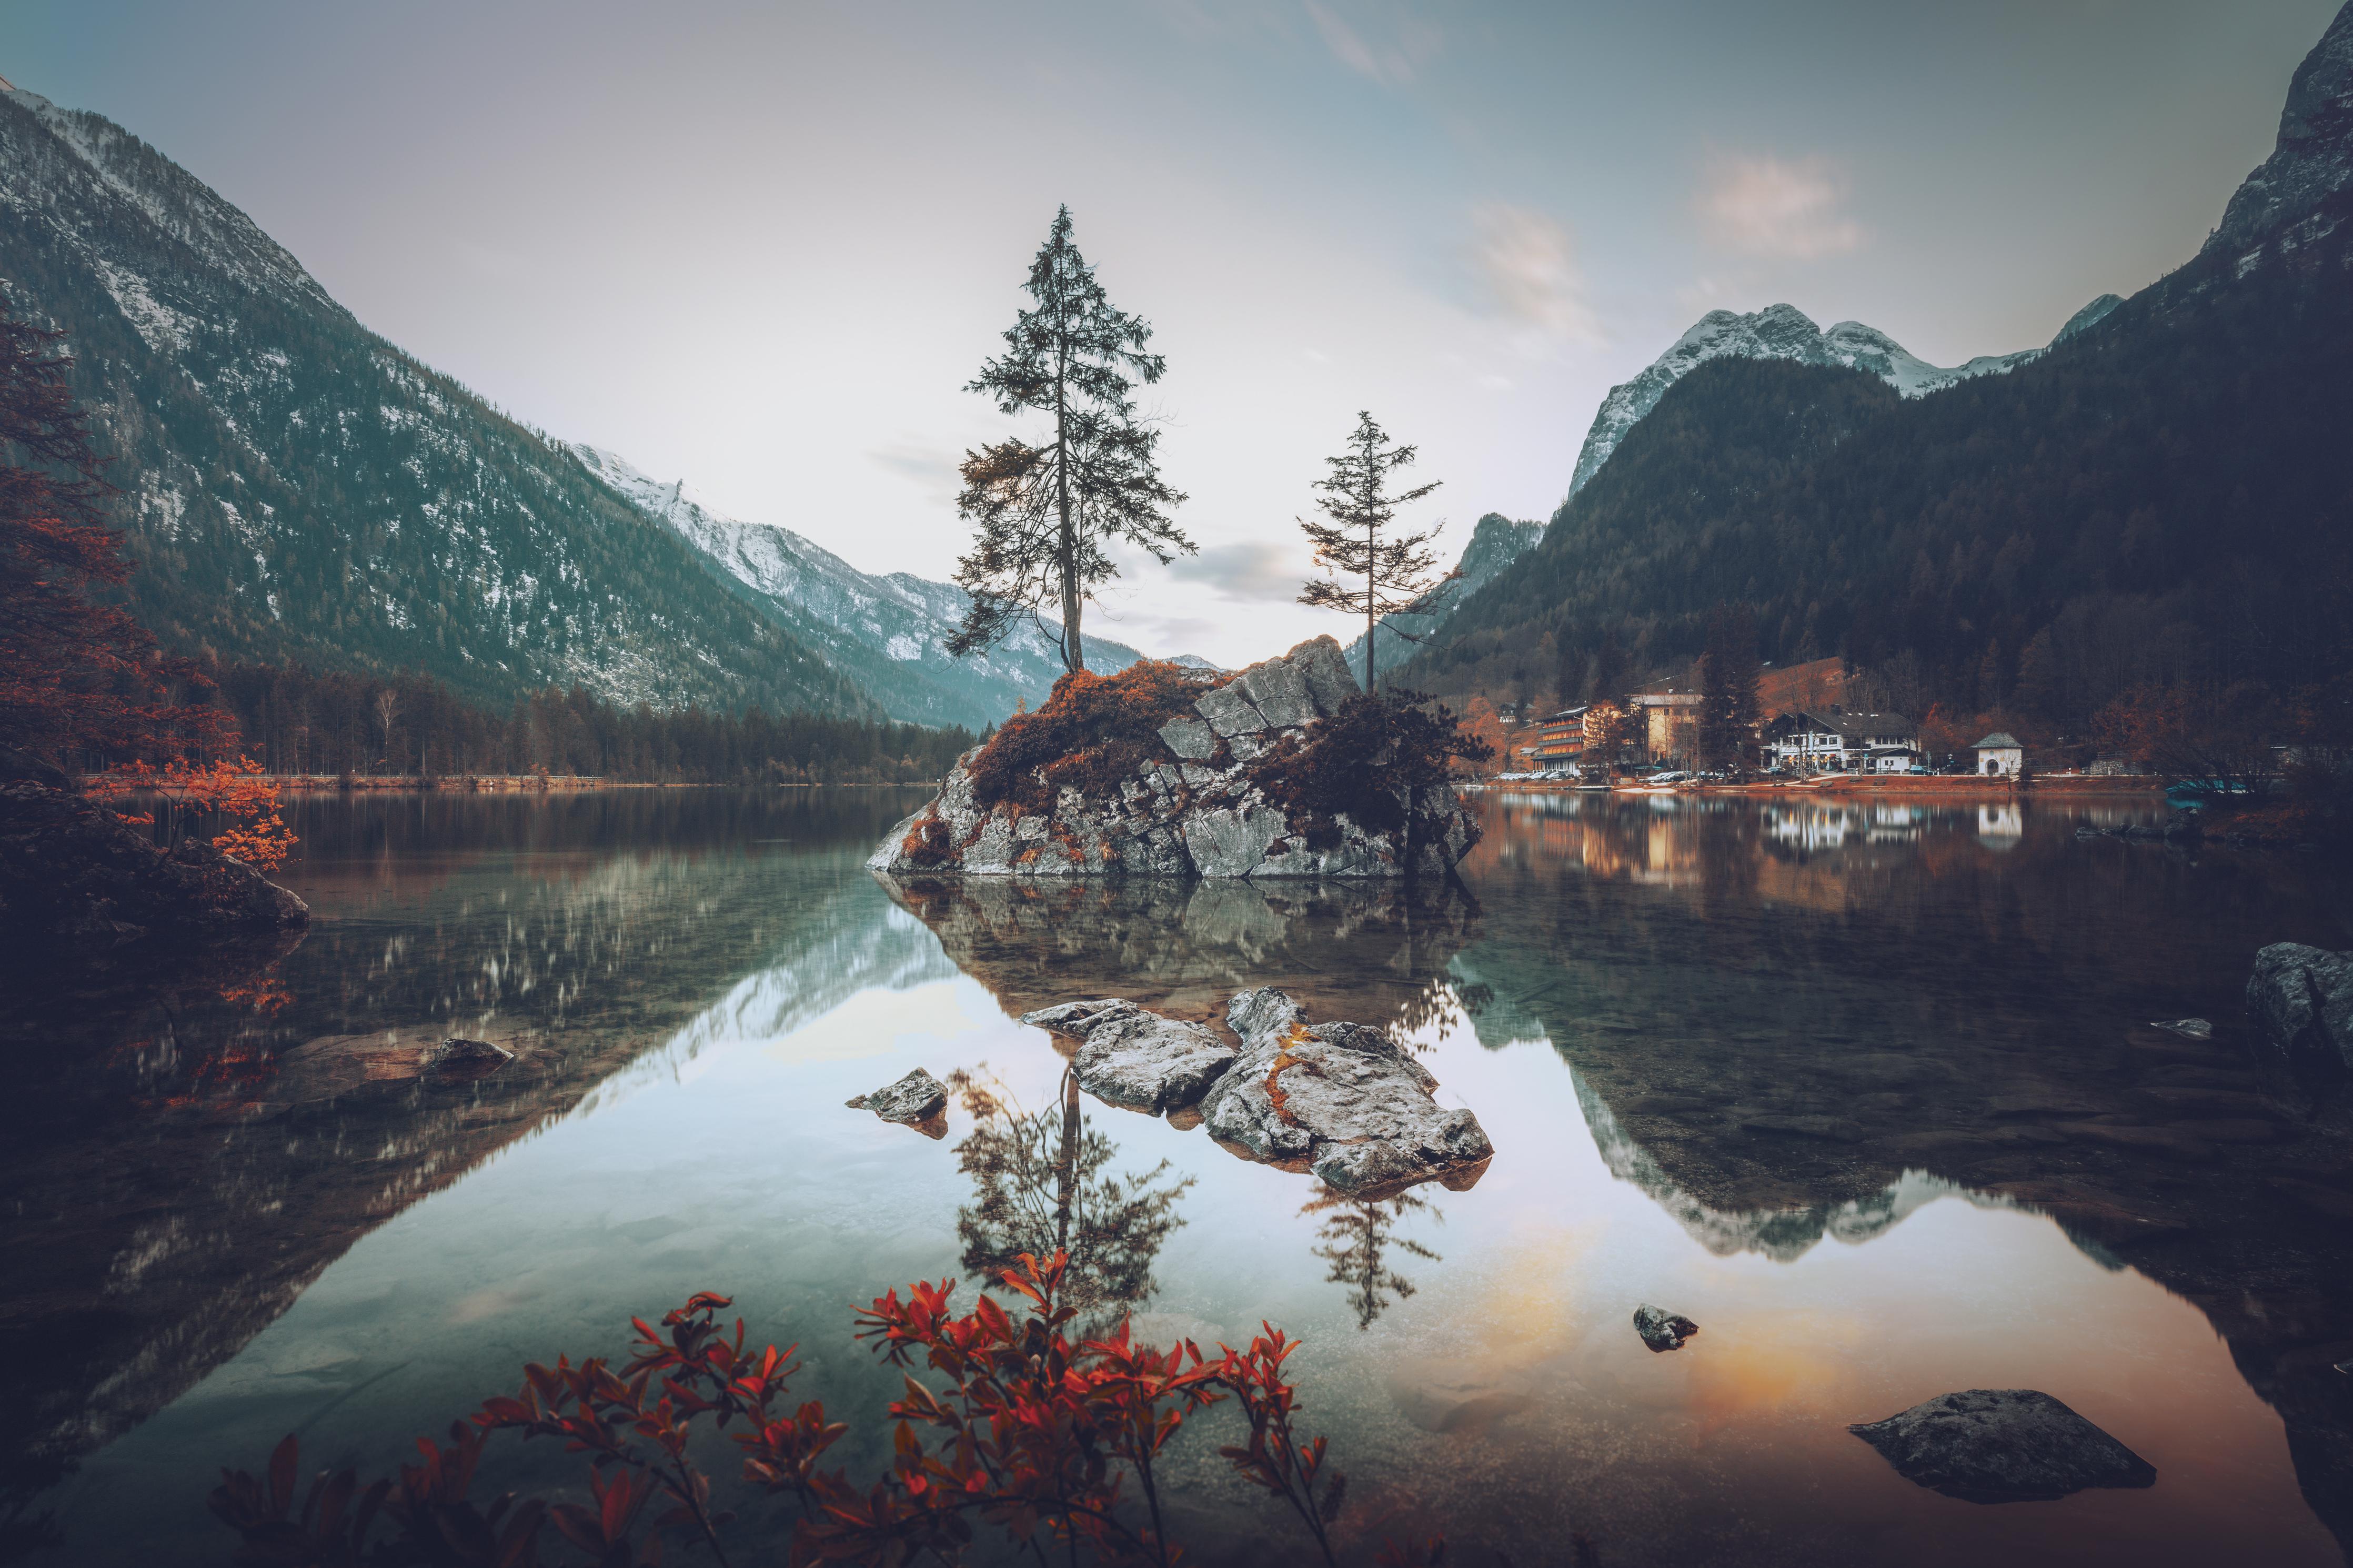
(1963, 786)
(519, 784)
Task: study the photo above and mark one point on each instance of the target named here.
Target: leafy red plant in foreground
(1054, 1442)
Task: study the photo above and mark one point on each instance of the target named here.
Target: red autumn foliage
(1055, 1443)
(75, 675)
(1092, 731)
(1368, 759)
(236, 794)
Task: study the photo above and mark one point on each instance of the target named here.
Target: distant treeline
(297, 721)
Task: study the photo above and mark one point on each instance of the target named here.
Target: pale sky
(762, 248)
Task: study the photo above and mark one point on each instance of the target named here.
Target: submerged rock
(2303, 996)
(1342, 1100)
(75, 875)
(2188, 1028)
(915, 1098)
(471, 1058)
(1193, 809)
(2002, 1445)
(1661, 1330)
(1134, 1060)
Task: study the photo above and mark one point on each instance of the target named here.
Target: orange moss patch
(1094, 730)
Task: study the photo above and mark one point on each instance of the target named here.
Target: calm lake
(1867, 1090)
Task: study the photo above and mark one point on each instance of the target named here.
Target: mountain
(2161, 496)
(299, 488)
(889, 634)
(1785, 332)
(1495, 543)
(2303, 185)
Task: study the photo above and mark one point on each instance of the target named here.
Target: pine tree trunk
(1074, 659)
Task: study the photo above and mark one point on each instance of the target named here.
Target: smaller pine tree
(1398, 572)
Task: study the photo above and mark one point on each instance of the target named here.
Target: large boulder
(2002, 1445)
(1342, 1100)
(1193, 808)
(74, 875)
(2303, 996)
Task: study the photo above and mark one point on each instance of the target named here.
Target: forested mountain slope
(2165, 494)
(299, 488)
(1495, 542)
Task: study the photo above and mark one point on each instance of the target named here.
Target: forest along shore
(493, 783)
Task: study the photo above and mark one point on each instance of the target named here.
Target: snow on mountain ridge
(889, 633)
(1777, 331)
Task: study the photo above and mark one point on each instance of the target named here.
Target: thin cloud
(938, 471)
(1251, 571)
(1528, 265)
(1391, 61)
(1764, 205)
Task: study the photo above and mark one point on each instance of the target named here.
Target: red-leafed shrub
(1094, 730)
(1054, 1442)
(1367, 760)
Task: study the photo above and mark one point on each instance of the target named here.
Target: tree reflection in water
(1357, 1238)
(1040, 1182)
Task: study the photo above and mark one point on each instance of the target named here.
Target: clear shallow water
(1866, 1092)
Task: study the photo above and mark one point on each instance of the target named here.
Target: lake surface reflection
(1866, 1091)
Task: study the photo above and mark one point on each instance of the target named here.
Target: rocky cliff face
(2314, 159)
(1194, 808)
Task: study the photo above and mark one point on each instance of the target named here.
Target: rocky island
(1285, 769)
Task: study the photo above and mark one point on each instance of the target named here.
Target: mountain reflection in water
(1751, 1027)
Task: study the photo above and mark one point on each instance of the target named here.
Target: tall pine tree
(1043, 512)
(1397, 572)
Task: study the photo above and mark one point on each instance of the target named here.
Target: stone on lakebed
(2002, 1445)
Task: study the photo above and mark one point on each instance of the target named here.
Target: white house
(1839, 742)
(2000, 753)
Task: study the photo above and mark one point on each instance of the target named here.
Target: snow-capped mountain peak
(1779, 332)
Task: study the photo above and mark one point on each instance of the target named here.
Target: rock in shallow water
(471, 1058)
(2303, 996)
(2002, 1445)
(915, 1098)
(1135, 1059)
(1341, 1099)
(1661, 1330)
